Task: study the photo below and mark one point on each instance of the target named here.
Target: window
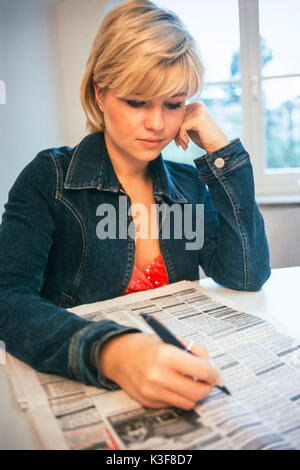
(252, 81)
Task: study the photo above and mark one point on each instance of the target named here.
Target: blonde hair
(142, 48)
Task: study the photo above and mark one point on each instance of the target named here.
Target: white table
(278, 300)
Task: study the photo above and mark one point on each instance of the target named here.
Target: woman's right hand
(157, 374)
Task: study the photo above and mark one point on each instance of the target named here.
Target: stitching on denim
(100, 171)
(75, 350)
(227, 147)
(244, 158)
(59, 174)
(242, 231)
(167, 262)
(74, 160)
(81, 223)
(130, 265)
(82, 185)
(208, 179)
(235, 164)
(60, 197)
(72, 357)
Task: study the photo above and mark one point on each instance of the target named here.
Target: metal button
(219, 162)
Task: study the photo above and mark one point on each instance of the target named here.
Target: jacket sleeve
(35, 330)
(235, 252)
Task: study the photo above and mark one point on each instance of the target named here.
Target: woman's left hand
(201, 128)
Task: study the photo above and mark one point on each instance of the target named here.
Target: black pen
(169, 338)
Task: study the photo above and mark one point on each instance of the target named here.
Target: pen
(169, 338)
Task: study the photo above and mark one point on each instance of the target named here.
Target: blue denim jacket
(51, 258)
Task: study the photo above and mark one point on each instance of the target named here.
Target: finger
(159, 396)
(150, 400)
(192, 366)
(196, 349)
(184, 140)
(176, 139)
(173, 398)
(187, 387)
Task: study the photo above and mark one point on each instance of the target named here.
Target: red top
(154, 275)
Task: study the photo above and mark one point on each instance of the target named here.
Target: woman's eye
(135, 104)
(140, 104)
(173, 105)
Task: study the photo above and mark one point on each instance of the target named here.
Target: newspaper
(260, 366)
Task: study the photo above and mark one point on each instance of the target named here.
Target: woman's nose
(154, 119)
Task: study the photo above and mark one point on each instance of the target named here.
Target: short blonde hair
(140, 48)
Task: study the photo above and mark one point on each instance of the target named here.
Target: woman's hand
(201, 128)
(158, 374)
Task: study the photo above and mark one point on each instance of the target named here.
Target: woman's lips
(150, 142)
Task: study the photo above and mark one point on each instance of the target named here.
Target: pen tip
(224, 389)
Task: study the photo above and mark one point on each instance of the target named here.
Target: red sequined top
(154, 275)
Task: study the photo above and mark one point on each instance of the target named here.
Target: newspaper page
(260, 366)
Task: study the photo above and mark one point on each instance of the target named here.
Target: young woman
(54, 253)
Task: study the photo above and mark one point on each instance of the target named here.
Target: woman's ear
(98, 94)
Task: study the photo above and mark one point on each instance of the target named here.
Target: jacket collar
(91, 167)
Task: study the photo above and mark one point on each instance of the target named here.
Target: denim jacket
(51, 258)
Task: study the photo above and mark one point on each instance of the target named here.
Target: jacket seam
(67, 203)
(241, 228)
(53, 205)
(59, 197)
(72, 165)
(244, 158)
(58, 173)
(74, 351)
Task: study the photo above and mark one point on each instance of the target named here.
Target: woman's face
(139, 129)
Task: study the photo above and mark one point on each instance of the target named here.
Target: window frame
(284, 181)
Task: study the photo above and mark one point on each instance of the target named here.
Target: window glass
(281, 99)
(223, 102)
(279, 29)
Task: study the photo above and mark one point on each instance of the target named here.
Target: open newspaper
(259, 363)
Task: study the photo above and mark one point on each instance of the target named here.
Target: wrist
(217, 144)
(111, 354)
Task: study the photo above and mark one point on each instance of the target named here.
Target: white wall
(31, 117)
(283, 231)
(77, 23)
(44, 45)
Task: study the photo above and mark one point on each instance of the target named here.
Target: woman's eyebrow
(173, 96)
(178, 94)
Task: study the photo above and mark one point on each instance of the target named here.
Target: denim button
(219, 162)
